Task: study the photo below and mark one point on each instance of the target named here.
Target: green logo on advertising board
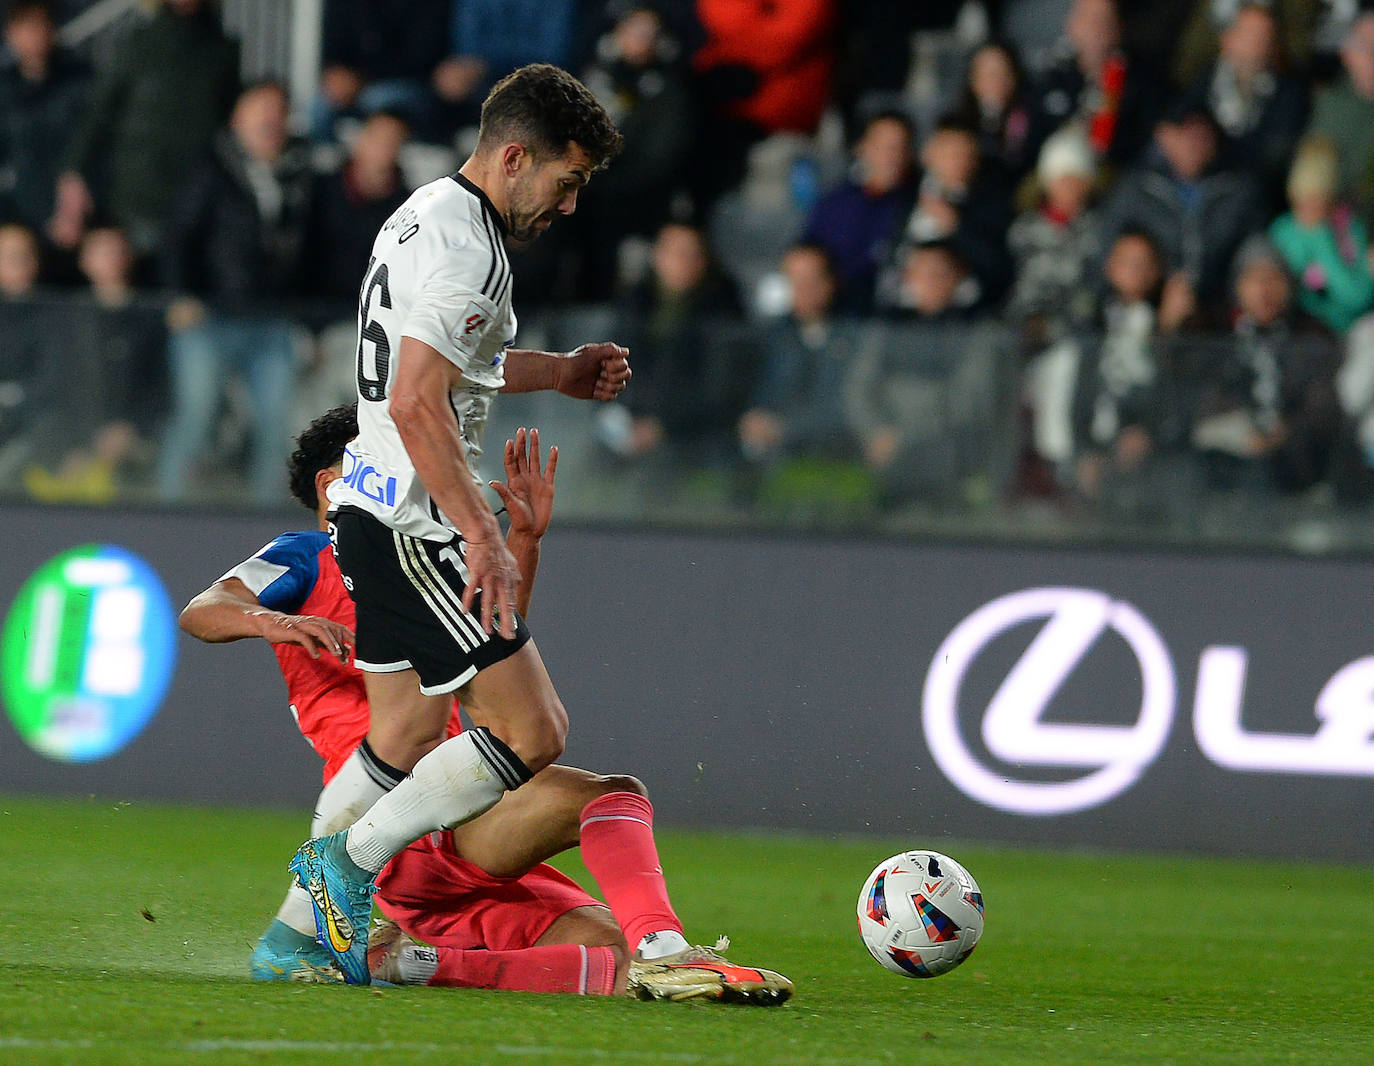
(87, 653)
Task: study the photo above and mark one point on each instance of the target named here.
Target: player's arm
(429, 430)
(228, 611)
(528, 496)
(591, 372)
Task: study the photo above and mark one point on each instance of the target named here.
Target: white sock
(454, 783)
(658, 944)
(296, 911)
(360, 782)
(417, 963)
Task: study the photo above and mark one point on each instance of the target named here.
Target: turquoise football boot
(283, 954)
(341, 894)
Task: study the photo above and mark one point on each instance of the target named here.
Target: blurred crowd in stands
(1089, 256)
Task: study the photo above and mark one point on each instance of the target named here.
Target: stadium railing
(83, 398)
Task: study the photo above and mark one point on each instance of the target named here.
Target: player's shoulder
(454, 236)
(450, 212)
(294, 548)
(283, 571)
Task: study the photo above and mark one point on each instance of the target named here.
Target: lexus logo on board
(1108, 759)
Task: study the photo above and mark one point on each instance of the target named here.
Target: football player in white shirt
(419, 547)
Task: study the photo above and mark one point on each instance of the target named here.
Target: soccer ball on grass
(920, 914)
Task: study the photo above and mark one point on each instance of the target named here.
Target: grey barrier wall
(1066, 697)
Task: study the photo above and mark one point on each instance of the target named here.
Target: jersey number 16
(369, 329)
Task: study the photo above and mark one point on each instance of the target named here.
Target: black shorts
(409, 594)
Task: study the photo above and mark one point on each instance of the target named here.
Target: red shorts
(447, 901)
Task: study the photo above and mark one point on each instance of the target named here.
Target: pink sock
(548, 968)
(619, 851)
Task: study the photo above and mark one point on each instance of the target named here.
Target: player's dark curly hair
(320, 446)
(544, 107)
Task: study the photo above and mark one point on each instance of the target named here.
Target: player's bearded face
(539, 194)
(530, 214)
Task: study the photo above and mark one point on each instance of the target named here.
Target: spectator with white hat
(1056, 244)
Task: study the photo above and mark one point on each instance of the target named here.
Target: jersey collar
(476, 191)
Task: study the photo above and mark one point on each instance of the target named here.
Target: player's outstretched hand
(316, 635)
(528, 491)
(594, 372)
(492, 569)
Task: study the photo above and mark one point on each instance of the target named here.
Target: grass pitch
(125, 931)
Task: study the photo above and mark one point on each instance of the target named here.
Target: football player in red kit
(474, 906)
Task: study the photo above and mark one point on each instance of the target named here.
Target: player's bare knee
(542, 747)
(582, 787)
(539, 738)
(613, 938)
(622, 783)
(601, 930)
(608, 935)
(403, 744)
(405, 726)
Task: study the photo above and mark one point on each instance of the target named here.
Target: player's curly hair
(320, 446)
(544, 107)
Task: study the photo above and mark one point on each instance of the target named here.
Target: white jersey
(439, 274)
